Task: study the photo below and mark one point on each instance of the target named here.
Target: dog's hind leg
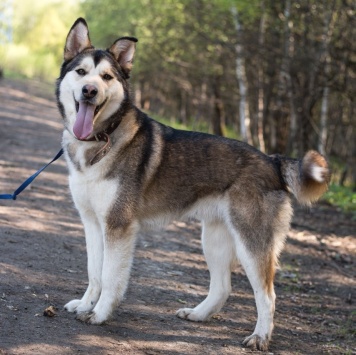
(119, 247)
(94, 243)
(219, 252)
(259, 267)
(259, 223)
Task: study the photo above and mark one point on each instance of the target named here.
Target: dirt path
(43, 263)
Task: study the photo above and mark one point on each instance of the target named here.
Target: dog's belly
(209, 208)
(205, 209)
(157, 221)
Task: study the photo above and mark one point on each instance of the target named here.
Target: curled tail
(308, 178)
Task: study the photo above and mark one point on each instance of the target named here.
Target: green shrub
(193, 125)
(20, 61)
(342, 197)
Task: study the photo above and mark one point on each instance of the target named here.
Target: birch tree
(325, 58)
(260, 108)
(285, 91)
(242, 80)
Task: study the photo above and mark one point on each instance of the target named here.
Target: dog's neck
(113, 122)
(104, 135)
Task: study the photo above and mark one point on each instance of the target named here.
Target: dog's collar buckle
(104, 150)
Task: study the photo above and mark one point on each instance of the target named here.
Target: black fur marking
(70, 65)
(147, 132)
(132, 39)
(98, 56)
(277, 163)
(80, 19)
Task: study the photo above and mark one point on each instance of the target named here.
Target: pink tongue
(83, 125)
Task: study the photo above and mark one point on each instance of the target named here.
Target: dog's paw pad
(72, 305)
(256, 342)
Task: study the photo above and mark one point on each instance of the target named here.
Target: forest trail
(43, 263)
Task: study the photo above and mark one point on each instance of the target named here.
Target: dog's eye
(107, 77)
(81, 72)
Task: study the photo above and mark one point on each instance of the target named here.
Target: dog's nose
(89, 91)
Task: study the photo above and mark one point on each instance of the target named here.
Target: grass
(19, 62)
(14, 75)
(195, 125)
(347, 328)
(342, 197)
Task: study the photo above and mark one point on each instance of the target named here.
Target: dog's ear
(77, 39)
(123, 51)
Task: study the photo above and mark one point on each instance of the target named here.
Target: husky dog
(128, 172)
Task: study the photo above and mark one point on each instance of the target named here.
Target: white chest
(92, 191)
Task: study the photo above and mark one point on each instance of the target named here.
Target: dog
(127, 172)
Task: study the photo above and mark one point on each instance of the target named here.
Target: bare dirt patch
(43, 263)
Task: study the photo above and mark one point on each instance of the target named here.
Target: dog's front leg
(119, 247)
(95, 244)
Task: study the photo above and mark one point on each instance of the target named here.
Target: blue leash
(29, 180)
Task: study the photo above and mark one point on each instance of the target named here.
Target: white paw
(91, 318)
(79, 306)
(190, 314)
(72, 305)
(85, 307)
(256, 342)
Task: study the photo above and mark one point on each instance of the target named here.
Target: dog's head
(92, 87)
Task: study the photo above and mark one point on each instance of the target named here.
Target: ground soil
(43, 263)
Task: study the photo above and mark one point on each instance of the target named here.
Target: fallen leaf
(181, 301)
(50, 311)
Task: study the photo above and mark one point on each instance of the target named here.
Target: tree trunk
(325, 56)
(183, 107)
(242, 80)
(218, 114)
(285, 93)
(323, 120)
(260, 109)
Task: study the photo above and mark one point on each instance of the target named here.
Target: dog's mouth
(97, 108)
(86, 114)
